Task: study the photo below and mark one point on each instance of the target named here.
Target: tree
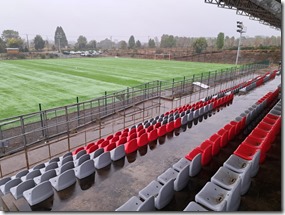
(138, 44)
(39, 42)
(105, 44)
(9, 34)
(15, 43)
(123, 44)
(92, 44)
(132, 42)
(167, 41)
(81, 42)
(60, 38)
(220, 40)
(2, 46)
(200, 44)
(151, 43)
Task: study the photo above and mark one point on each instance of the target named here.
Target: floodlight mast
(241, 30)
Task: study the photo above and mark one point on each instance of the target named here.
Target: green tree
(92, 44)
(167, 41)
(123, 44)
(60, 38)
(151, 43)
(15, 43)
(220, 40)
(132, 42)
(200, 45)
(81, 42)
(138, 44)
(39, 42)
(2, 45)
(9, 34)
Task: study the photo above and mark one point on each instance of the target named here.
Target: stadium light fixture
(240, 29)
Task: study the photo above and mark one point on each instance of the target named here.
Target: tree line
(11, 39)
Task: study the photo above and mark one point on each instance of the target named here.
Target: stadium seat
(78, 150)
(102, 160)
(64, 167)
(85, 169)
(136, 204)
(82, 159)
(161, 131)
(195, 157)
(224, 137)
(31, 175)
(193, 206)
(45, 176)
(243, 168)
(142, 140)
(216, 143)
(227, 179)
(96, 153)
(141, 132)
(20, 174)
(131, 146)
(50, 166)
(218, 199)
(163, 193)
(152, 135)
(117, 153)
(18, 190)
(182, 179)
(169, 174)
(103, 144)
(170, 126)
(132, 136)
(231, 131)
(38, 193)
(38, 166)
(177, 123)
(121, 141)
(109, 147)
(92, 149)
(64, 180)
(5, 188)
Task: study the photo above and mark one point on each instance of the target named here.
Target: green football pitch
(57, 82)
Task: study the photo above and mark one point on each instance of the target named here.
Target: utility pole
(241, 29)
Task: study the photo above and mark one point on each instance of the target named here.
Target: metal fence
(19, 132)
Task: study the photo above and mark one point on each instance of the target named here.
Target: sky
(119, 19)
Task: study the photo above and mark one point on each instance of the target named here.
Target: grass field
(56, 82)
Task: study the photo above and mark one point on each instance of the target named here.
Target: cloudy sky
(119, 19)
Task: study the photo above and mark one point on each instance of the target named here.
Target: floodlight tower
(241, 29)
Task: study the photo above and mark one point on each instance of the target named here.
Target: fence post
(172, 87)
(68, 130)
(78, 109)
(41, 116)
(25, 141)
(105, 102)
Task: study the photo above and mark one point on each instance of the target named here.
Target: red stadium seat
(103, 144)
(256, 143)
(114, 139)
(177, 123)
(206, 149)
(99, 142)
(121, 141)
(139, 128)
(216, 143)
(125, 134)
(152, 135)
(132, 131)
(109, 147)
(131, 146)
(78, 150)
(161, 131)
(170, 127)
(149, 129)
(118, 133)
(132, 136)
(157, 125)
(231, 131)
(142, 140)
(142, 131)
(92, 149)
(224, 137)
(109, 137)
(89, 145)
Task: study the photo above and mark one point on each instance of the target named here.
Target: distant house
(12, 50)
